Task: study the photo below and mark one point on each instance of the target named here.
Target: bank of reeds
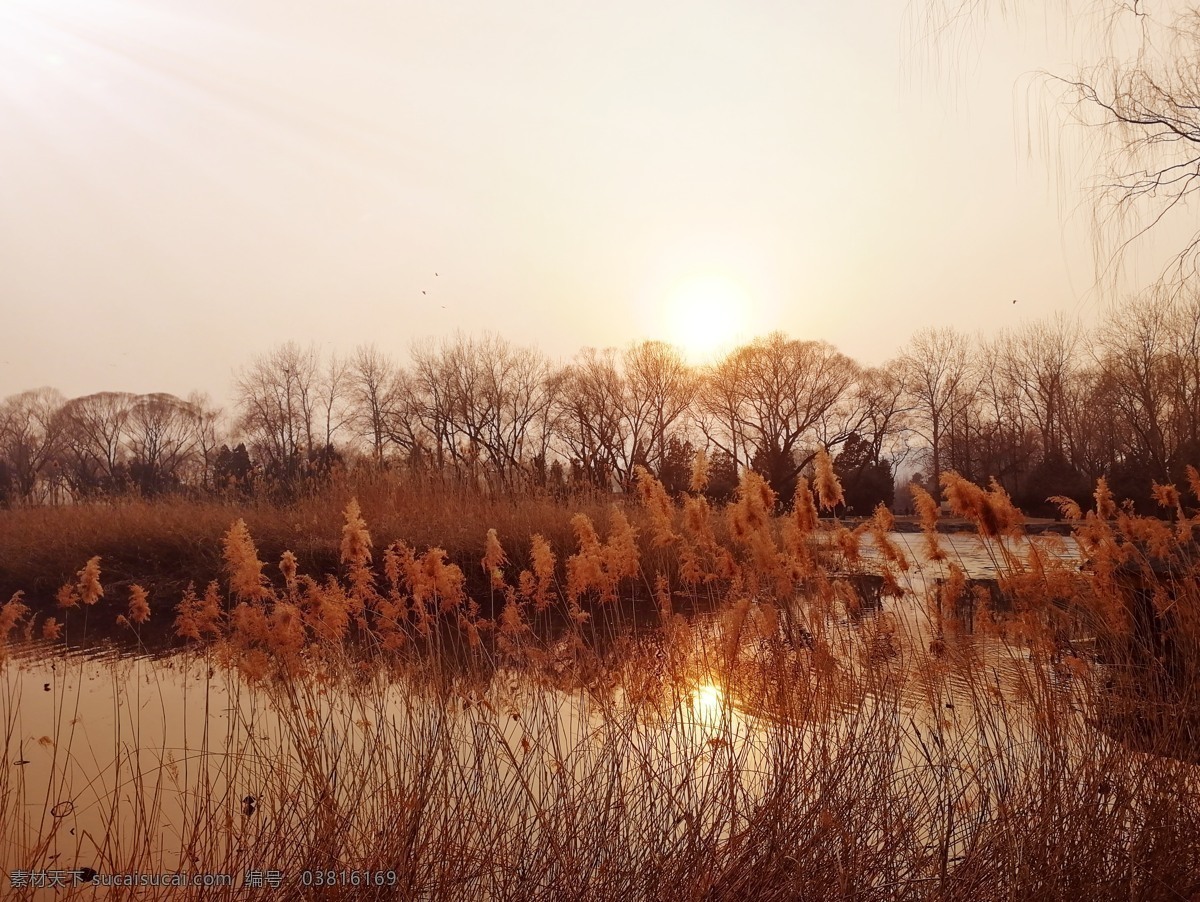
(166, 543)
(678, 703)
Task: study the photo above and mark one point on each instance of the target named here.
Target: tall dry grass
(164, 545)
(671, 702)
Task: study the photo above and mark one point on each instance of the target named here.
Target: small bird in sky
(424, 292)
(1014, 300)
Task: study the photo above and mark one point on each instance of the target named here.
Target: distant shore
(1033, 525)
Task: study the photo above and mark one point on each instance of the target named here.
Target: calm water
(88, 727)
(979, 558)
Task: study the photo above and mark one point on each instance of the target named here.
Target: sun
(706, 316)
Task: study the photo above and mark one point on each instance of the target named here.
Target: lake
(169, 763)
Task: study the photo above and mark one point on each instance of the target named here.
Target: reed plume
(1106, 507)
(927, 508)
(51, 629)
(356, 540)
(1166, 496)
(11, 613)
(992, 511)
(242, 566)
(90, 590)
(829, 487)
(585, 568)
(139, 605)
(493, 561)
(543, 560)
(699, 480)
(804, 511)
(289, 566)
(1068, 507)
(658, 505)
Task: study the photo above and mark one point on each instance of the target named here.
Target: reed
(660, 701)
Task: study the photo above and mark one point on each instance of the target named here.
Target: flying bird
(1014, 300)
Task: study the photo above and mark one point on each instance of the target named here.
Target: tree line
(1045, 409)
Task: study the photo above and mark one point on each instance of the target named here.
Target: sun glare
(706, 316)
(707, 702)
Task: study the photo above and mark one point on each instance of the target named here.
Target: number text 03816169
(348, 878)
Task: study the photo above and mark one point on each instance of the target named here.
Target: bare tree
(207, 424)
(433, 401)
(405, 424)
(1136, 102)
(719, 408)
(333, 397)
(1136, 349)
(1149, 360)
(774, 400)
(375, 397)
(660, 388)
(1143, 112)
(93, 448)
(1094, 437)
(589, 409)
(29, 437)
(517, 398)
(1006, 438)
(277, 400)
(483, 401)
(105, 442)
(1038, 361)
(163, 439)
(1019, 415)
(883, 414)
(940, 382)
(614, 412)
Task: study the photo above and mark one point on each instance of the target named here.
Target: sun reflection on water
(708, 703)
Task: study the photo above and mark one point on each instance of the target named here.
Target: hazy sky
(184, 185)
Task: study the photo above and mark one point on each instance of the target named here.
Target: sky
(188, 184)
